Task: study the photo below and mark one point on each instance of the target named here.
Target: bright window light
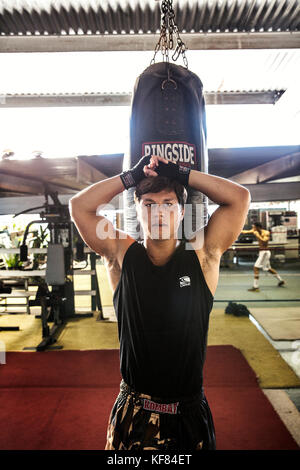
(71, 131)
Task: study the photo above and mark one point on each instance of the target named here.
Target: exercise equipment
(168, 119)
(6, 290)
(55, 293)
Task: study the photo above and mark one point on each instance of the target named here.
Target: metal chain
(167, 31)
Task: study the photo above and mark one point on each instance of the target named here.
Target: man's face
(160, 215)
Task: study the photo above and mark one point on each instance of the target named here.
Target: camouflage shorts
(141, 422)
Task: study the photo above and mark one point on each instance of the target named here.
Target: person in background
(263, 260)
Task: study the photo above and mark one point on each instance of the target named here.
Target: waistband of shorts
(186, 400)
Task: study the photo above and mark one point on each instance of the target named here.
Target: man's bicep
(97, 232)
(224, 227)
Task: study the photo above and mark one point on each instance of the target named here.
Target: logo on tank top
(184, 281)
(182, 152)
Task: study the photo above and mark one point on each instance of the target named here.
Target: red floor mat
(62, 399)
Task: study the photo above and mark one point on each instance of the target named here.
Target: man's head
(160, 206)
(156, 184)
(257, 226)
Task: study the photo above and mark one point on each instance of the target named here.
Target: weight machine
(57, 304)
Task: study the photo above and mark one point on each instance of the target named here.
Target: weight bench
(57, 305)
(51, 302)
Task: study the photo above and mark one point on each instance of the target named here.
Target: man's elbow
(71, 204)
(73, 207)
(245, 196)
(73, 200)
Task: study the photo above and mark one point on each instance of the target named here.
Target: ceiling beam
(265, 192)
(36, 173)
(147, 42)
(17, 184)
(268, 192)
(124, 99)
(274, 169)
(11, 185)
(87, 174)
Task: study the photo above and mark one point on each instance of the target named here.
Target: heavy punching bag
(168, 119)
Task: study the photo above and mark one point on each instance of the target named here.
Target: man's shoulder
(209, 260)
(204, 248)
(208, 256)
(123, 242)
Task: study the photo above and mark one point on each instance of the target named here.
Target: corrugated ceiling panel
(134, 16)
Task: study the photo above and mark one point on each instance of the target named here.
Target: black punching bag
(168, 119)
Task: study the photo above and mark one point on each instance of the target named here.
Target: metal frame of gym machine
(58, 305)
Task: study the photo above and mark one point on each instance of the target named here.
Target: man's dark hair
(155, 184)
(257, 224)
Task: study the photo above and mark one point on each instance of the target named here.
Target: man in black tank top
(163, 296)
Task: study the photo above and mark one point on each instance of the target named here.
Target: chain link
(168, 30)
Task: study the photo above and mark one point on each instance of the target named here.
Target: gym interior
(68, 72)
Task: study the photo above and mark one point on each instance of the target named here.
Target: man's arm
(97, 231)
(248, 231)
(94, 228)
(227, 221)
(264, 237)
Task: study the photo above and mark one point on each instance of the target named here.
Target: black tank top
(163, 316)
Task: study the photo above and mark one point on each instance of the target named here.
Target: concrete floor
(233, 286)
(235, 281)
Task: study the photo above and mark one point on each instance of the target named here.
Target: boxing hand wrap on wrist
(173, 171)
(127, 179)
(132, 177)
